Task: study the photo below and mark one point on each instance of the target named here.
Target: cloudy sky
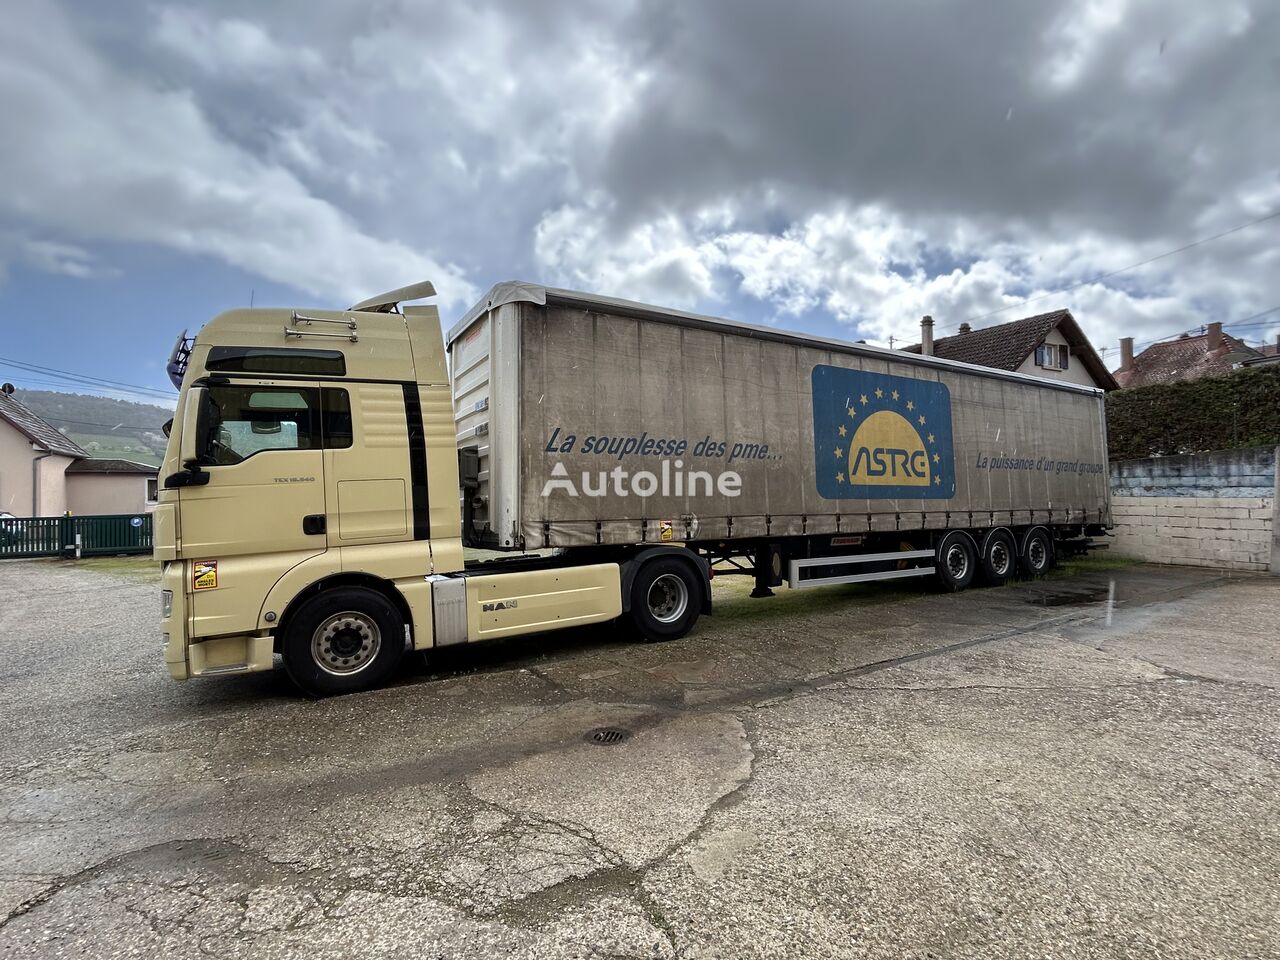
(836, 167)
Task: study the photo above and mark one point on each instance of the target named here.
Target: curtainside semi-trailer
(328, 473)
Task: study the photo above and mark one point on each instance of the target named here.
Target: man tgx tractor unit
(328, 470)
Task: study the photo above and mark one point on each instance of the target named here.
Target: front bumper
(215, 656)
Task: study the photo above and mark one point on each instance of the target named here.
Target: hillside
(103, 426)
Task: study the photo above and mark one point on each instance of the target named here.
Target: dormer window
(1052, 356)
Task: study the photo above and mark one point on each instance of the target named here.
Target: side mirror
(199, 420)
(194, 439)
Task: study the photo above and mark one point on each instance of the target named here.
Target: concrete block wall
(1209, 510)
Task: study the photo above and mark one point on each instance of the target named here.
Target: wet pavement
(1085, 766)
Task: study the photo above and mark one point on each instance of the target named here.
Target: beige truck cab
(309, 506)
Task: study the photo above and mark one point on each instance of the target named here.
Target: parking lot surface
(1084, 766)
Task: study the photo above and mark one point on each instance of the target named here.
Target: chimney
(965, 328)
(1126, 353)
(926, 336)
(1214, 340)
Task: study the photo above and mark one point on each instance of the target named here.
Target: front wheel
(342, 640)
(666, 598)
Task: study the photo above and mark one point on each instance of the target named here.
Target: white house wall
(1076, 371)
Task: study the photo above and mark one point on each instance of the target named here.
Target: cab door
(262, 509)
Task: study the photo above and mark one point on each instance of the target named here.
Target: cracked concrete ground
(1080, 767)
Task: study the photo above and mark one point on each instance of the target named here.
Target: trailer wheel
(957, 562)
(1037, 553)
(342, 640)
(666, 597)
(999, 558)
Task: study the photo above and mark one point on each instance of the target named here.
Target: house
(1049, 345)
(34, 458)
(1209, 354)
(1268, 353)
(105, 486)
(44, 473)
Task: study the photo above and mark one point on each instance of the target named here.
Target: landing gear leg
(768, 567)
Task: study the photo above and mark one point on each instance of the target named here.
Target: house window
(1053, 356)
(152, 488)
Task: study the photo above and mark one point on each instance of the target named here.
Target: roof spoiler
(387, 302)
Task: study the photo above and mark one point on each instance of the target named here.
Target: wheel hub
(346, 643)
(1000, 558)
(957, 562)
(668, 598)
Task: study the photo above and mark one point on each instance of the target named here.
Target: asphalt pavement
(1084, 766)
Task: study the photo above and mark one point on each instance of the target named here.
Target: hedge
(1195, 416)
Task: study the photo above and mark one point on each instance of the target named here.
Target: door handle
(313, 524)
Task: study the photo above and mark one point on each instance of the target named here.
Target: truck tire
(343, 640)
(999, 558)
(666, 598)
(957, 562)
(1037, 553)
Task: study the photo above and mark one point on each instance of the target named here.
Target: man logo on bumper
(499, 605)
(879, 437)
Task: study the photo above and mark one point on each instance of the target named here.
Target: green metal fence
(63, 536)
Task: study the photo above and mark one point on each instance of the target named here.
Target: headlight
(166, 604)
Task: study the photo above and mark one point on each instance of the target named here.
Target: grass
(139, 568)
(1092, 564)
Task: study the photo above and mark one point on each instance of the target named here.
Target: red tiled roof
(1186, 358)
(1006, 346)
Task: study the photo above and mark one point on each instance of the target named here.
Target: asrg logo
(880, 437)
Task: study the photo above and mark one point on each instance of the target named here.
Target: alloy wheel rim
(1000, 558)
(957, 562)
(346, 643)
(668, 598)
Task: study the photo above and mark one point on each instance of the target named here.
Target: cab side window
(336, 408)
(252, 419)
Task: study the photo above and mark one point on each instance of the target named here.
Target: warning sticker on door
(204, 575)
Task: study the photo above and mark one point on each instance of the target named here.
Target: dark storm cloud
(959, 108)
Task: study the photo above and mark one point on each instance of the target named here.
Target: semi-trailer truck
(342, 486)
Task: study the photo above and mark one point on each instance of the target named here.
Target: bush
(1195, 416)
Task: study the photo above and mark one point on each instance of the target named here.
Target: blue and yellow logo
(878, 437)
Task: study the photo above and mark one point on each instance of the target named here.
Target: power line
(1250, 321)
(109, 426)
(1133, 266)
(82, 378)
(82, 389)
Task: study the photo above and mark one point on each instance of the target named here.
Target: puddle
(1074, 598)
(1068, 599)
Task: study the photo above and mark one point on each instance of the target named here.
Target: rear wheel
(343, 640)
(666, 598)
(999, 558)
(956, 562)
(1037, 553)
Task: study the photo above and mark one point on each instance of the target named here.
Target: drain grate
(607, 736)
